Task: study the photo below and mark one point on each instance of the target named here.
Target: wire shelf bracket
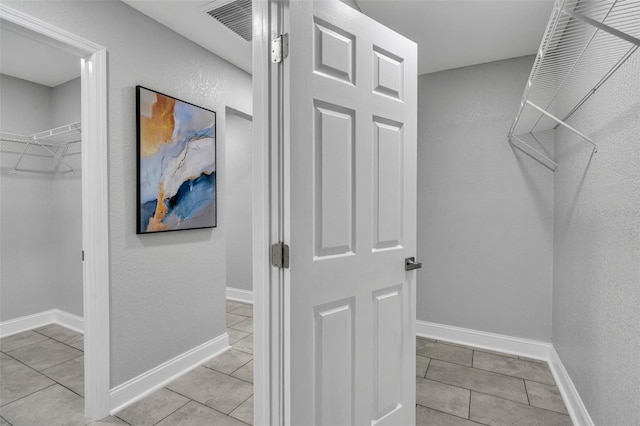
(50, 144)
(583, 46)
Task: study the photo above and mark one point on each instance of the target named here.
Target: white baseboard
(244, 296)
(578, 412)
(29, 322)
(137, 388)
(71, 321)
(484, 340)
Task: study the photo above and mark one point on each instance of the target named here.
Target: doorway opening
(67, 203)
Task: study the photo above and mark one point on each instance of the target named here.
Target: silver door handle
(410, 264)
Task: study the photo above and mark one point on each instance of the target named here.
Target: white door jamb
(95, 202)
(268, 290)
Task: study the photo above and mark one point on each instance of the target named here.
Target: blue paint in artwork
(193, 197)
(147, 211)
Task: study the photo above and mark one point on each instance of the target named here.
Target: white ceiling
(27, 58)
(187, 17)
(457, 33)
(450, 34)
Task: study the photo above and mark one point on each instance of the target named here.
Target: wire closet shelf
(47, 152)
(584, 44)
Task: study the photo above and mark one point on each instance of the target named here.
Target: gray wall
(67, 202)
(596, 295)
(167, 290)
(485, 211)
(239, 206)
(65, 100)
(27, 264)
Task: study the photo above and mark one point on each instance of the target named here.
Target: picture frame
(176, 164)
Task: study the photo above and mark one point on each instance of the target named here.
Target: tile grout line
(494, 372)
(189, 400)
(248, 398)
(449, 414)
(28, 395)
(8, 422)
(526, 391)
(491, 395)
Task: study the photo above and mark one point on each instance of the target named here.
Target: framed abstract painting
(176, 164)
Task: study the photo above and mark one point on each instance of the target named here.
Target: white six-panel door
(350, 218)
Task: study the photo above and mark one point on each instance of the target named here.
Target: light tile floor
(461, 385)
(41, 383)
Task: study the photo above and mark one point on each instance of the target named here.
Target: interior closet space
(40, 186)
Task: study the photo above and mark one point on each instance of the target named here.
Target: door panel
(334, 363)
(350, 219)
(335, 180)
(387, 181)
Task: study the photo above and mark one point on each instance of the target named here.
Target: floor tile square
(17, 380)
(212, 388)
(478, 380)
(245, 326)
(235, 335)
(244, 412)
(421, 365)
(19, 340)
(229, 361)
(442, 397)
(194, 414)
(246, 310)
(234, 319)
(496, 353)
(545, 396)
(491, 410)
(60, 333)
(55, 405)
(245, 372)
(153, 408)
(244, 345)
(45, 354)
(69, 374)
(77, 343)
(231, 305)
(428, 417)
(536, 371)
(444, 352)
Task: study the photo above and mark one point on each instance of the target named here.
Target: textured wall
(25, 107)
(167, 290)
(239, 208)
(67, 203)
(596, 295)
(485, 211)
(27, 267)
(65, 103)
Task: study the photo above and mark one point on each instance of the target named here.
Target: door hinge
(280, 255)
(83, 255)
(279, 48)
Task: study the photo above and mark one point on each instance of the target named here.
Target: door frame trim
(95, 202)
(268, 209)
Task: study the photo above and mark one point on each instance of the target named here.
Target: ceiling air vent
(235, 15)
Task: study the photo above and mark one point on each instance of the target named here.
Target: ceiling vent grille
(236, 16)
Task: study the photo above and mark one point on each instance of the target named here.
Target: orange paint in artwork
(157, 129)
(155, 223)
